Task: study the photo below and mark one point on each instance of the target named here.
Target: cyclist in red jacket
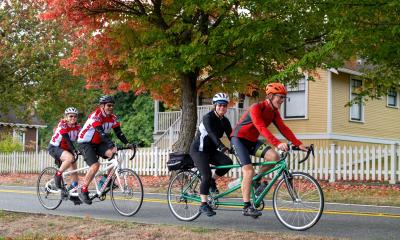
(245, 141)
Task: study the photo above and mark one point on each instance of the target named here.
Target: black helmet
(106, 99)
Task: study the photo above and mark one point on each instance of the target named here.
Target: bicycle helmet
(275, 88)
(106, 99)
(221, 98)
(71, 110)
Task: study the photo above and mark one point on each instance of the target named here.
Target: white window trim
(23, 136)
(362, 103)
(282, 110)
(397, 101)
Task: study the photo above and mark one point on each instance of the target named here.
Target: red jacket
(256, 120)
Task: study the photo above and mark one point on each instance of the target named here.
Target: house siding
(379, 120)
(316, 122)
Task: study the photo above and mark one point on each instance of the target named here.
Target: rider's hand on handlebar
(303, 147)
(283, 147)
(223, 149)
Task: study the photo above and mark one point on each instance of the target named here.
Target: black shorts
(244, 148)
(56, 153)
(91, 152)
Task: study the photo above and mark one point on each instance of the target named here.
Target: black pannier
(179, 161)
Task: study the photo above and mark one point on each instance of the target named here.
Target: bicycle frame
(114, 164)
(280, 167)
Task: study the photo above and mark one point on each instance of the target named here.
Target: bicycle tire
(48, 194)
(182, 208)
(127, 192)
(304, 212)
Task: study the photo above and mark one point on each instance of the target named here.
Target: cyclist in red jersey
(93, 140)
(61, 146)
(245, 141)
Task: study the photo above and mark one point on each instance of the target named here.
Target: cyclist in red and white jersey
(93, 140)
(245, 141)
(61, 146)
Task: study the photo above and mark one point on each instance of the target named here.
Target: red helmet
(275, 88)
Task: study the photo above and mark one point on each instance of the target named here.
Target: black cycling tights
(202, 160)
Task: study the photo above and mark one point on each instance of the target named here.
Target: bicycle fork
(289, 184)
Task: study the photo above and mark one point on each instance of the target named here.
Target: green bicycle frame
(279, 168)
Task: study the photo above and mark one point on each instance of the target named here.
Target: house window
(356, 110)
(295, 105)
(19, 136)
(392, 98)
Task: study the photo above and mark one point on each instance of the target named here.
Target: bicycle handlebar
(125, 148)
(310, 150)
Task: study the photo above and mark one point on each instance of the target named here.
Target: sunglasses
(109, 105)
(280, 96)
(72, 116)
(222, 105)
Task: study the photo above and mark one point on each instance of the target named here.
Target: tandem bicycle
(124, 185)
(298, 200)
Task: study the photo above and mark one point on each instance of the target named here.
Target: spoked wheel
(48, 194)
(184, 196)
(126, 192)
(299, 203)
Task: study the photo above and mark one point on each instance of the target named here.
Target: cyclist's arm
(285, 130)
(228, 128)
(69, 142)
(120, 135)
(104, 137)
(210, 128)
(256, 116)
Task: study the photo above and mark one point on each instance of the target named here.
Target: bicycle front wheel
(48, 194)
(182, 190)
(126, 192)
(298, 202)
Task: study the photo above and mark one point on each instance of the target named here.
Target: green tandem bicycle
(298, 200)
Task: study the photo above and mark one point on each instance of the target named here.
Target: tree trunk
(189, 112)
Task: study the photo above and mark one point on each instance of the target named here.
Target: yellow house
(316, 111)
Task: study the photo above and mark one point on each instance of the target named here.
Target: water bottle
(234, 183)
(102, 180)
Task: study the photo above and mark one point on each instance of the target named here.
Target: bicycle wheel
(185, 184)
(126, 192)
(305, 208)
(48, 194)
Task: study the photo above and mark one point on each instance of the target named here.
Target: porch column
(156, 111)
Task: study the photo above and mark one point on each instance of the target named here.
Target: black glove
(222, 149)
(231, 150)
(131, 145)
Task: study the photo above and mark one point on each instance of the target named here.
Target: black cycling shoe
(213, 186)
(252, 212)
(75, 200)
(58, 181)
(84, 197)
(207, 210)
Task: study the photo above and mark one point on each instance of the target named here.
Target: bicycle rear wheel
(48, 194)
(299, 204)
(126, 192)
(185, 185)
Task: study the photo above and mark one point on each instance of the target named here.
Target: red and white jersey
(62, 128)
(97, 118)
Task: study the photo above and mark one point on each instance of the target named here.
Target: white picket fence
(332, 163)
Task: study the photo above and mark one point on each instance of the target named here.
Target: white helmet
(222, 98)
(71, 110)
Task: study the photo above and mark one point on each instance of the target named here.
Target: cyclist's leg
(56, 153)
(243, 154)
(89, 154)
(242, 149)
(265, 151)
(105, 151)
(201, 160)
(219, 159)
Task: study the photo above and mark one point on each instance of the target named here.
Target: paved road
(345, 221)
